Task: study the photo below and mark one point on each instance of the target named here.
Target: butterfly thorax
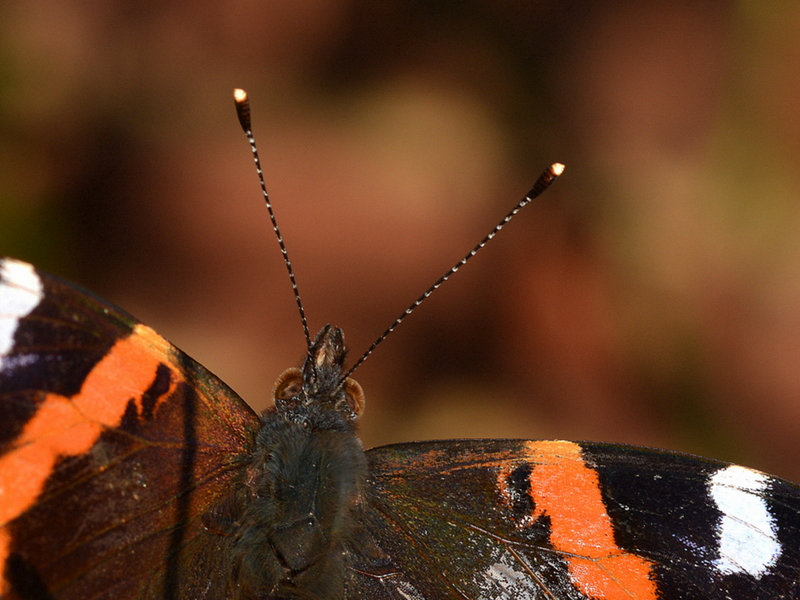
(303, 484)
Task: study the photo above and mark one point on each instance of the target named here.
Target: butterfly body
(128, 471)
(298, 520)
(302, 487)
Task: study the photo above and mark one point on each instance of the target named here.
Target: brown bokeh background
(651, 297)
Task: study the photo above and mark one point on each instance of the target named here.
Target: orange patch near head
(69, 426)
(567, 490)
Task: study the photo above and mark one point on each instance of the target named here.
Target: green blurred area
(651, 297)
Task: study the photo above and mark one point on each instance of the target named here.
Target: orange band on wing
(68, 426)
(567, 490)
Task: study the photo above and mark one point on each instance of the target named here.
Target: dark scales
(298, 518)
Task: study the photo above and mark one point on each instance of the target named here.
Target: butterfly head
(316, 395)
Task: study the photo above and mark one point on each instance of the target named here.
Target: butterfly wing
(113, 443)
(478, 519)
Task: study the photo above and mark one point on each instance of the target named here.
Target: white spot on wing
(20, 292)
(408, 591)
(404, 595)
(748, 541)
(503, 579)
(506, 577)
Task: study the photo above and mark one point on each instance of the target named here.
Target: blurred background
(652, 296)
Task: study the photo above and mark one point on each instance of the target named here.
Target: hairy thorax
(298, 520)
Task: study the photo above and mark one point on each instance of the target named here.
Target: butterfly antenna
(243, 112)
(549, 175)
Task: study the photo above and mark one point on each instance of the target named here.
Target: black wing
(478, 519)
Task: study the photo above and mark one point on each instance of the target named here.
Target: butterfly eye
(288, 385)
(354, 396)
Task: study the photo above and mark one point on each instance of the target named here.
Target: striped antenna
(549, 175)
(243, 112)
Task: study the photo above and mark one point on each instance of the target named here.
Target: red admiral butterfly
(129, 471)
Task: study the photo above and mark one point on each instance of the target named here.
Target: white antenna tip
(239, 95)
(557, 169)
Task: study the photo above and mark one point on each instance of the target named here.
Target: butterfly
(129, 471)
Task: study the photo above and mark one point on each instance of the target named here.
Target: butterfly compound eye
(355, 396)
(288, 385)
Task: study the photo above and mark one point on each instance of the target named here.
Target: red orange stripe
(567, 490)
(69, 426)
